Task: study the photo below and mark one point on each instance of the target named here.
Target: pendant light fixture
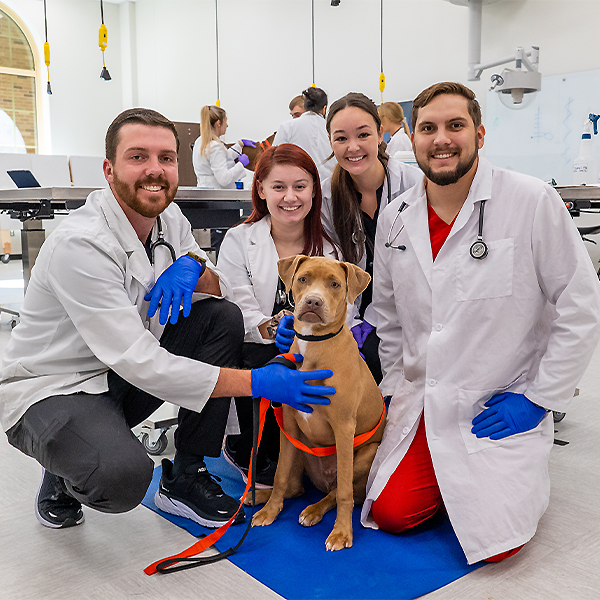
(218, 102)
(103, 42)
(381, 75)
(47, 51)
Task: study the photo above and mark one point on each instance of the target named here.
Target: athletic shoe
(54, 506)
(196, 495)
(265, 474)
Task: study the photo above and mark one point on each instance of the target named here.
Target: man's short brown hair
(447, 87)
(144, 116)
(297, 101)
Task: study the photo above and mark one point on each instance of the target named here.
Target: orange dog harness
(324, 450)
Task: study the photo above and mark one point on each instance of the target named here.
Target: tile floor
(104, 558)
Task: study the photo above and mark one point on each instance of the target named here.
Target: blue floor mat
(292, 560)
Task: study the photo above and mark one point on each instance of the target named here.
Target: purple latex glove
(507, 414)
(242, 158)
(175, 284)
(248, 143)
(285, 334)
(361, 332)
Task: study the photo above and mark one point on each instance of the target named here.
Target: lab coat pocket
(472, 402)
(490, 277)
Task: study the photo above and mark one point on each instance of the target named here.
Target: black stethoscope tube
(478, 250)
(160, 241)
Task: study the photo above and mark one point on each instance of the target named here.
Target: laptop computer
(23, 178)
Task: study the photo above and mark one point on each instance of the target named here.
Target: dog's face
(321, 287)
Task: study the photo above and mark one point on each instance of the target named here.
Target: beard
(129, 195)
(449, 177)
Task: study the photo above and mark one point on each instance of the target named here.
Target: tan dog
(321, 288)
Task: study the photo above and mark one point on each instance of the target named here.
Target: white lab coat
(310, 133)
(85, 313)
(458, 330)
(401, 177)
(399, 142)
(216, 168)
(248, 258)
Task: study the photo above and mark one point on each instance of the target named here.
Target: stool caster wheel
(157, 447)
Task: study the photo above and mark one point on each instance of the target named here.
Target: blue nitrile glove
(248, 143)
(361, 332)
(507, 413)
(242, 158)
(285, 333)
(174, 284)
(280, 383)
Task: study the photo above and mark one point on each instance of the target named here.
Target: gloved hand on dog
(361, 332)
(507, 414)
(280, 383)
(242, 158)
(248, 143)
(285, 333)
(176, 283)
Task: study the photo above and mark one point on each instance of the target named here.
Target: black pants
(255, 356)
(87, 438)
(370, 351)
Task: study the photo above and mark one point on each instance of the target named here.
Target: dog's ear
(287, 267)
(357, 281)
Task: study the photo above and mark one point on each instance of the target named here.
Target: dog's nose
(313, 301)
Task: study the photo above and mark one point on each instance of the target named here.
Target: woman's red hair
(290, 154)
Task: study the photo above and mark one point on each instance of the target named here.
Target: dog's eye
(302, 279)
(335, 284)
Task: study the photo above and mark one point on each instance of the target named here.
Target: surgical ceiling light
(516, 87)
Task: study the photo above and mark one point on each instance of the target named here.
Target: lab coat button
(432, 382)
(405, 431)
(439, 327)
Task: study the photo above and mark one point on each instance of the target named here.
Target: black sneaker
(54, 507)
(265, 474)
(196, 495)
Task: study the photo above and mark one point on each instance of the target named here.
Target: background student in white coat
(308, 131)
(394, 122)
(363, 183)
(286, 220)
(215, 165)
(488, 311)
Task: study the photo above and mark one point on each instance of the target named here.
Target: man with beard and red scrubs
(488, 311)
(91, 356)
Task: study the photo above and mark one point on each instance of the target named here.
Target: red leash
(166, 565)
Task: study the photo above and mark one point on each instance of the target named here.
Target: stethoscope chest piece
(478, 250)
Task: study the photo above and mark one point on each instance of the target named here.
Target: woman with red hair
(286, 220)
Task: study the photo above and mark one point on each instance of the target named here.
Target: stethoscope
(359, 237)
(160, 241)
(478, 250)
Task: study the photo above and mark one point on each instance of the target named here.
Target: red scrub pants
(412, 495)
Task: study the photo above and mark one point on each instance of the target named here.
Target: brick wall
(17, 92)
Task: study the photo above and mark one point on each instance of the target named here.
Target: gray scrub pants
(87, 438)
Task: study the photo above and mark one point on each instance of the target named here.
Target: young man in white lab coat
(85, 364)
(488, 312)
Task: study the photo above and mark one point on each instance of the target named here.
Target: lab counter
(205, 209)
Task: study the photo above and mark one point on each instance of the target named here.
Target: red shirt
(438, 230)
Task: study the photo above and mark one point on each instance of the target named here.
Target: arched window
(18, 105)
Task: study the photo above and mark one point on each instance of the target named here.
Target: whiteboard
(543, 139)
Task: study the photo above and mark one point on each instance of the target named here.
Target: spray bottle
(585, 169)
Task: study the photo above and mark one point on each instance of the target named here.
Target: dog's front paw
(265, 516)
(338, 540)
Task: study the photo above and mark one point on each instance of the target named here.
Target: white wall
(265, 54)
